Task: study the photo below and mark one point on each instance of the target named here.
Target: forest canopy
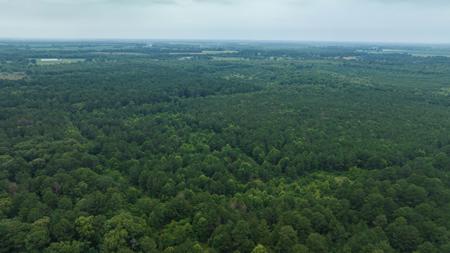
(223, 147)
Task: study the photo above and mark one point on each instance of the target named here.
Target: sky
(414, 21)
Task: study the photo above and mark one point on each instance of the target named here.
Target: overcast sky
(304, 20)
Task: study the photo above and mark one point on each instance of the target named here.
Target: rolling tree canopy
(223, 147)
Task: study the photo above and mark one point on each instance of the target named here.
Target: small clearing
(12, 76)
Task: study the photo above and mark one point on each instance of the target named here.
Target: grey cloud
(337, 20)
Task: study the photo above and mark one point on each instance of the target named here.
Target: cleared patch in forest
(53, 61)
(206, 52)
(13, 76)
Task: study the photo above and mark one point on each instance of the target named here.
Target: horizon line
(231, 40)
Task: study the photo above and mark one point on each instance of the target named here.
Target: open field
(53, 61)
(205, 52)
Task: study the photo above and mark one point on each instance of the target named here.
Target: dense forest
(133, 146)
